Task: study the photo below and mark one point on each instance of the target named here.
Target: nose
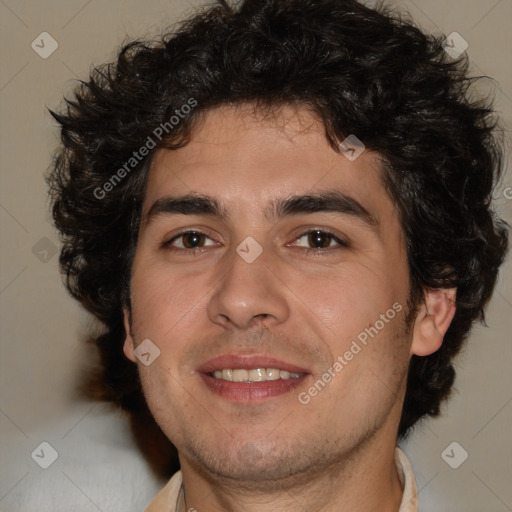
(247, 295)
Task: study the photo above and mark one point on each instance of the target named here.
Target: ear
(128, 346)
(432, 321)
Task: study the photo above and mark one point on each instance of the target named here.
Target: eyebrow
(328, 201)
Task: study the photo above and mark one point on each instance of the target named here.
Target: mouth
(250, 378)
(253, 375)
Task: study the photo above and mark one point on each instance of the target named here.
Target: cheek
(162, 394)
(369, 365)
(164, 299)
(353, 299)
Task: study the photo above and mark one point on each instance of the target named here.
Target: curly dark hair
(365, 71)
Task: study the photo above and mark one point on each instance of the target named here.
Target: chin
(258, 465)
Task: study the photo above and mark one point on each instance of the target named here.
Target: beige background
(98, 467)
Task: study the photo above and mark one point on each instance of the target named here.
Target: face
(263, 253)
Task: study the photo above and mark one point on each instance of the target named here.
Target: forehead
(248, 158)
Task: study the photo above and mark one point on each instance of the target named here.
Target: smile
(250, 378)
(254, 375)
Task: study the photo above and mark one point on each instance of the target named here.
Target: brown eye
(318, 239)
(190, 240)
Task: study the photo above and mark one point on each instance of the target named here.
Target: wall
(42, 352)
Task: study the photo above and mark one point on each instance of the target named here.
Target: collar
(172, 497)
(406, 476)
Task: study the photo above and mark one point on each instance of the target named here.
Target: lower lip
(250, 392)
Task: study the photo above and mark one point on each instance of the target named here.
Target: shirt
(171, 497)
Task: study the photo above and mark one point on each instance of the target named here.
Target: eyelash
(319, 250)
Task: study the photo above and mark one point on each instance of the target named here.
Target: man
(281, 213)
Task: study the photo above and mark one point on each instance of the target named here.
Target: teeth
(258, 375)
(273, 374)
(240, 375)
(225, 374)
(254, 375)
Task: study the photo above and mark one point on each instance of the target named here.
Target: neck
(365, 480)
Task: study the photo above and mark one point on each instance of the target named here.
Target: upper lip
(247, 362)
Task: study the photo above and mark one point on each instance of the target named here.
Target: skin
(297, 305)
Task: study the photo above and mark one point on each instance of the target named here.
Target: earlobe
(128, 348)
(433, 320)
